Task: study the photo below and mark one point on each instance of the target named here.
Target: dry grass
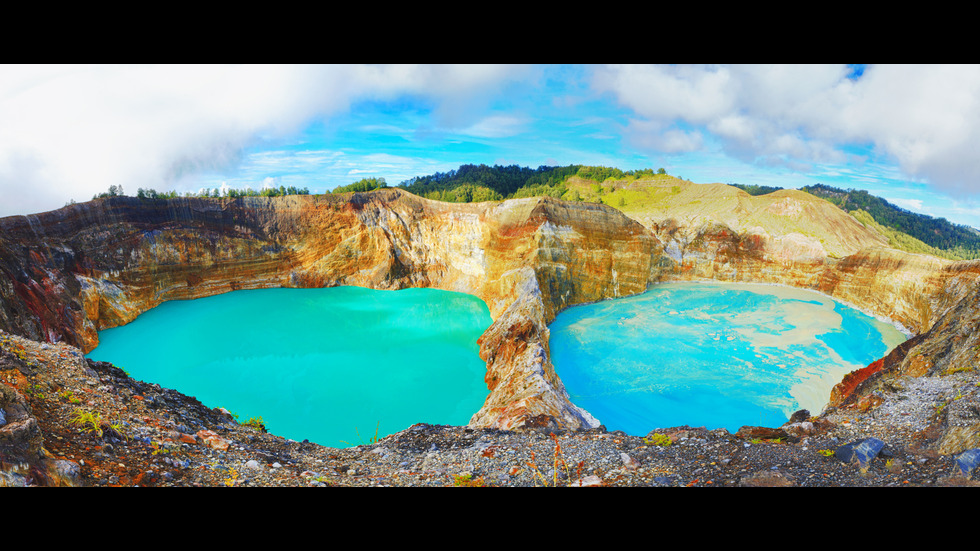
(778, 214)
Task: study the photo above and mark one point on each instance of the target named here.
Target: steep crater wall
(66, 274)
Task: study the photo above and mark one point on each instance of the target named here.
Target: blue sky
(910, 134)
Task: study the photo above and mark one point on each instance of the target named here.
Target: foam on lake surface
(327, 365)
(711, 354)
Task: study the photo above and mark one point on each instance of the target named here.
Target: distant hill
(791, 220)
(917, 232)
(905, 230)
(756, 190)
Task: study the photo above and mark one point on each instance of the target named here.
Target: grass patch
(657, 439)
(87, 421)
(373, 440)
(466, 480)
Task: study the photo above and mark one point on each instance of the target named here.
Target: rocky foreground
(68, 421)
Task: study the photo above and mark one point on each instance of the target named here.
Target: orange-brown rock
(69, 273)
(849, 389)
(66, 274)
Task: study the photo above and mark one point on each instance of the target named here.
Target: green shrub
(657, 439)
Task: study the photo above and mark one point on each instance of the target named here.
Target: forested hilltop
(905, 230)
(474, 183)
(913, 232)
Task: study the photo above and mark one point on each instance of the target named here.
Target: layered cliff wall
(908, 289)
(66, 274)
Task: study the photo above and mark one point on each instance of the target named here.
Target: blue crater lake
(332, 365)
(711, 354)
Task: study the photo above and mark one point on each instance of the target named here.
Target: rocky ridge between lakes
(68, 421)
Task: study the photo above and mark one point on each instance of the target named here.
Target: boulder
(968, 461)
(211, 439)
(860, 452)
(800, 416)
(768, 479)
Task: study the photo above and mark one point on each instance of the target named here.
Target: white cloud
(69, 132)
(926, 118)
(910, 204)
(387, 159)
(87, 128)
(651, 135)
(495, 126)
(694, 94)
(460, 92)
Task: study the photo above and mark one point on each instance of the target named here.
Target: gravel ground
(152, 436)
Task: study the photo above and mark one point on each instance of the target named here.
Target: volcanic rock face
(66, 274)
(69, 273)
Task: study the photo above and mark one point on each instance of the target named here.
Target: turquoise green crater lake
(333, 366)
(711, 354)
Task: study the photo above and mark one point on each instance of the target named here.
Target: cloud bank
(924, 118)
(69, 132)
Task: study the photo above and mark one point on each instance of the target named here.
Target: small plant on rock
(88, 421)
(557, 459)
(321, 479)
(232, 477)
(159, 449)
(69, 397)
(35, 391)
(374, 439)
(467, 480)
(535, 471)
(115, 430)
(657, 439)
(256, 423)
